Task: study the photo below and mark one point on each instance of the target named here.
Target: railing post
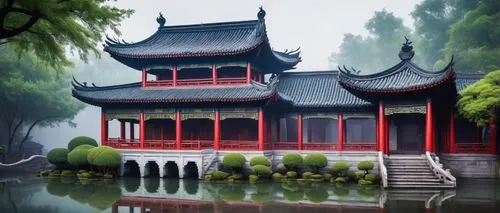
(178, 129)
(249, 72)
(217, 130)
(299, 131)
(428, 127)
(104, 128)
(261, 130)
(142, 131)
(214, 74)
(493, 137)
(340, 126)
(452, 147)
(174, 75)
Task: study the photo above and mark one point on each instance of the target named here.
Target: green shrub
(207, 177)
(277, 176)
(292, 161)
(259, 160)
(340, 168)
(253, 179)
(80, 141)
(84, 146)
(340, 180)
(58, 156)
(317, 195)
(307, 175)
(365, 182)
(235, 161)
(236, 176)
(261, 171)
(317, 177)
(78, 157)
(219, 175)
(370, 177)
(44, 173)
(291, 174)
(98, 174)
(315, 161)
(365, 166)
(327, 176)
(281, 168)
(68, 173)
(82, 171)
(104, 157)
(293, 196)
(85, 175)
(108, 176)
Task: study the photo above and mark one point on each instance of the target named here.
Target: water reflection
(170, 195)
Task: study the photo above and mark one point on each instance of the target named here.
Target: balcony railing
(122, 144)
(283, 145)
(319, 146)
(237, 80)
(473, 148)
(160, 83)
(197, 144)
(239, 145)
(196, 82)
(360, 147)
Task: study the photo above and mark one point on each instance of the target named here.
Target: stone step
(419, 174)
(428, 180)
(412, 176)
(406, 157)
(412, 183)
(407, 163)
(409, 170)
(407, 166)
(421, 186)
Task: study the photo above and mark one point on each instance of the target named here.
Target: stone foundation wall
(470, 165)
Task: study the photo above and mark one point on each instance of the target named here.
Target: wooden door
(410, 134)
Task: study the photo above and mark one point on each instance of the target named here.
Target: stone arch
(151, 169)
(191, 170)
(131, 168)
(171, 170)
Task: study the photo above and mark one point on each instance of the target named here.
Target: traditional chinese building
(209, 89)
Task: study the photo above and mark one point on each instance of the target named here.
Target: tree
(48, 27)
(379, 50)
(480, 101)
(475, 39)
(31, 95)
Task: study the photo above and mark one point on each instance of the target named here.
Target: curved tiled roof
(134, 93)
(403, 77)
(316, 89)
(465, 79)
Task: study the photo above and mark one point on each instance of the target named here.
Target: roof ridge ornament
(161, 20)
(261, 14)
(406, 52)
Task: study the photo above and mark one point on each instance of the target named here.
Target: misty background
(317, 27)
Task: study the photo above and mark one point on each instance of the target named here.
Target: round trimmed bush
(58, 156)
(207, 178)
(292, 161)
(80, 141)
(340, 180)
(327, 176)
(317, 176)
(365, 166)
(104, 156)
(235, 161)
(316, 161)
(253, 179)
(307, 175)
(84, 146)
(340, 167)
(219, 175)
(236, 176)
(68, 173)
(291, 174)
(370, 177)
(359, 175)
(259, 160)
(365, 182)
(261, 171)
(281, 168)
(277, 176)
(78, 157)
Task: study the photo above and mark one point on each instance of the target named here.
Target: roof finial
(261, 14)
(406, 52)
(161, 20)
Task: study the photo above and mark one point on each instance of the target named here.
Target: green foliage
(235, 161)
(236, 176)
(365, 182)
(327, 176)
(85, 175)
(58, 156)
(340, 180)
(232, 194)
(277, 176)
(259, 160)
(68, 173)
(78, 157)
(293, 196)
(359, 175)
(317, 195)
(81, 140)
(104, 156)
(104, 197)
(57, 188)
(207, 178)
(316, 161)
(253, 179)
(81, 193)
(370, 177)
(219, 175)
(45, 173)
(340, 168)
(317, 176)
(261, 171)
(480, 101)
(307, 175)
(365, 165)
(291, 174)
(281, 168)
(108, 176)
(50, 28)
(292, 161)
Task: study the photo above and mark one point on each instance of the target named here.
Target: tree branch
(21, 143)
(7, 33)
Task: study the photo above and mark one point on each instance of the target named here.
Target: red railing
(360, 147)
(319, 146)
(239, 145)
(283, 145)
(194, 82)
(197, 144)
(122, 144)
(473, 148)
(237, 80)
(160, 83)
(159, 144)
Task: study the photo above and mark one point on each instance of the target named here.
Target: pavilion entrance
(407, 133)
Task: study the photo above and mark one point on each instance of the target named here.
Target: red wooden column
(104, 128)
(299, 131)
(142, 130)
(217, 130)
(174, 76)
(381, 124)
(377, 136)
(132, 131)
(249, 72)
(144, 77)
(428, 127)
(493, 137)
(214, 74)
(261, 130)
(451, 131)
(340, 118)
(178, 130)
(122, 130)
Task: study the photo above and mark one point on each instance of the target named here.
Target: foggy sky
(316, 26)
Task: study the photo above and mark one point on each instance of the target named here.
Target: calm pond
(30, 194)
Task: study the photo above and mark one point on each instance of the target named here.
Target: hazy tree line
(467, 29)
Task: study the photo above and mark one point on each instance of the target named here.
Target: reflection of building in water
(221, 87)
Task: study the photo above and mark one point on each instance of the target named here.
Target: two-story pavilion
(221, 86)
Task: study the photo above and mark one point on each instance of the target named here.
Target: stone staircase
(412, 171)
